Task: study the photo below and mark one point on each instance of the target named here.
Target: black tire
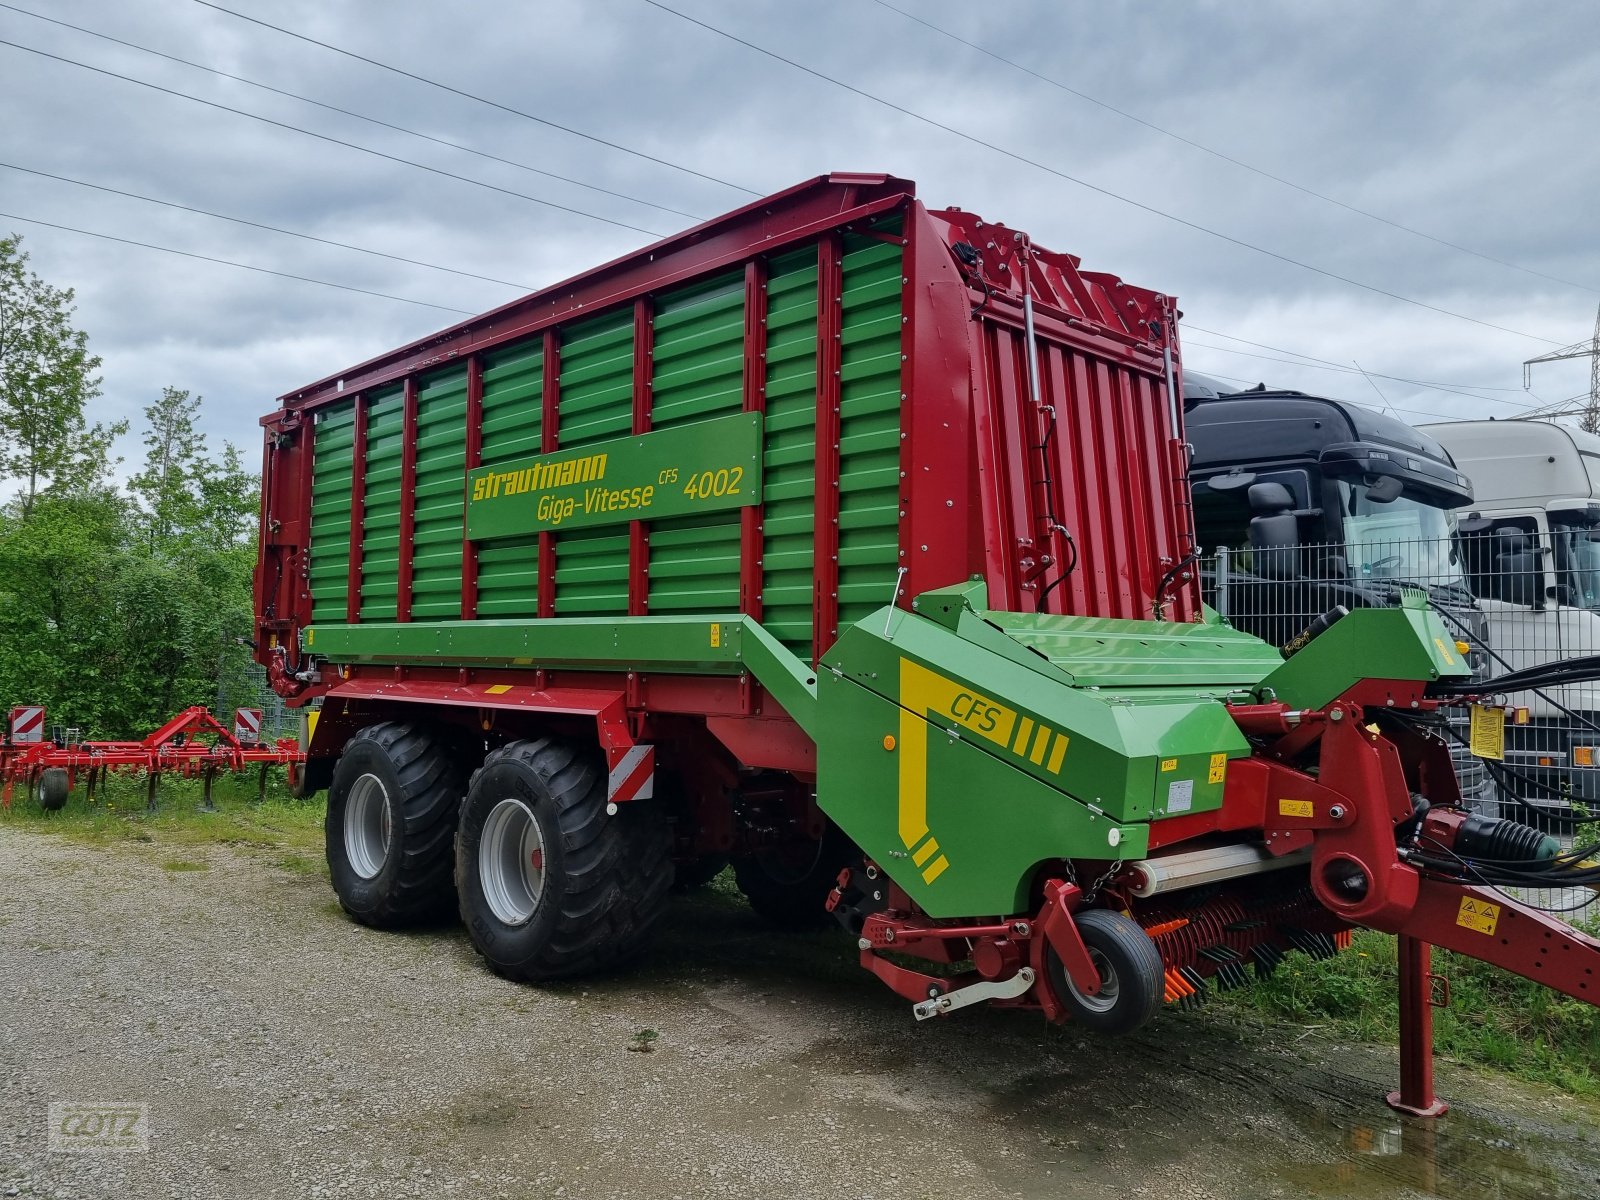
(694, 874)
(603, 877)
(418, 787)
(1131, 975)
(789, 888)
(51, 789)
(315, 775)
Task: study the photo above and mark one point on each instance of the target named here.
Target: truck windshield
(1577, 558)
(1398, 539)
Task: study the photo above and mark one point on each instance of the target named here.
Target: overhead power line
(345, 112)
(323, 137)
(309, 237)
(227, 262)
(1413, 412)
(1190, 326)
(455, 91)
(1228, 158)
(1323, 365)
(1017, 156)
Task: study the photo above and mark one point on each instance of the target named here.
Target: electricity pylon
(1589, 416)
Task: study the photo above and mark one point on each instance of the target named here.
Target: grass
(291, 828)
(1494, 1019)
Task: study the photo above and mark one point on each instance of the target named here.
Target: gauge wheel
(1131, 974)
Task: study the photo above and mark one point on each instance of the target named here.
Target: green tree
(168, 489)
(47, 375)
(184, 496)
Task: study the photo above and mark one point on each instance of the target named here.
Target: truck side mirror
(1383, 489)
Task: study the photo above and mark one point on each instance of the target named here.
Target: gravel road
(285, 1052)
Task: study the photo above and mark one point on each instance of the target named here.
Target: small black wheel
(1130, 969)
(51, 789)
(694, 874)
(552, 884)
(789, 887)
(391, 823)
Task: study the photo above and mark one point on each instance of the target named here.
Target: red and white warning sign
(247, 725)
(27, 723)
(633, 774)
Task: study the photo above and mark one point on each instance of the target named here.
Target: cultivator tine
(1247, 924)
(1231, 976)
(1197, 988)
(206, 805)
(1266, 957)
(1317, 946)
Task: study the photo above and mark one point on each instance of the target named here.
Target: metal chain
(1094, 889)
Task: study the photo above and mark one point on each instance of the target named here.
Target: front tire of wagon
(391, 822)
(550, 884)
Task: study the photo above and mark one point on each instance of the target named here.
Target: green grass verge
(280, 823)
(1494, 1019)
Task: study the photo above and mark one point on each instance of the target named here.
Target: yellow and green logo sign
(924, 694)
(704, 467)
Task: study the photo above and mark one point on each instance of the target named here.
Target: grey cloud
(1467, 120)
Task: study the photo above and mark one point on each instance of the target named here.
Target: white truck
(1531, 548)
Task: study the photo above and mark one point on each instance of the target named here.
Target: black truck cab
(1309, 503)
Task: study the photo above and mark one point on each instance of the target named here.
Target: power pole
(1589, 418)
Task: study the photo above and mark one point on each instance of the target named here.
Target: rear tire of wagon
(789, 887)
(391, 823)
(551, 885)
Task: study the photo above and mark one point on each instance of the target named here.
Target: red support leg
(1415, 1096)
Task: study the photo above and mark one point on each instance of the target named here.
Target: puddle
(1460, 1156)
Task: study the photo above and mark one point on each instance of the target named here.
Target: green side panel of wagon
(512, 426)
(332, 454)
(788, 567)
(437, 523)
(380, 518)
(596, 404)
(869, 424)
(697, 374)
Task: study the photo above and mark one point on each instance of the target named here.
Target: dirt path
(284, 1052)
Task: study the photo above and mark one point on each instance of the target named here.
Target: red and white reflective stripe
(27, 724)
(247, 725)
(633, 777)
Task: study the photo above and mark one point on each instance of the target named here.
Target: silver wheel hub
(1106, 998)
(511, 862)
(367, 826)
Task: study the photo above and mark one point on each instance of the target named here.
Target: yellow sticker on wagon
(1297, 808)
(1219, 768)
(1478, 915)
(1487, 737)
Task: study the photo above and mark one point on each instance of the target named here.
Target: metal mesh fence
(1513, 599)
(247, 687)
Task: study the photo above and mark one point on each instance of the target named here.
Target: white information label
(1180, 795)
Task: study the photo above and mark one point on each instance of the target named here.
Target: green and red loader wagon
(848, 540)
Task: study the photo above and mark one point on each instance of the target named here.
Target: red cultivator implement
(194, 744)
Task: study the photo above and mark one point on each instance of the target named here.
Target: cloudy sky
(1311, 132)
